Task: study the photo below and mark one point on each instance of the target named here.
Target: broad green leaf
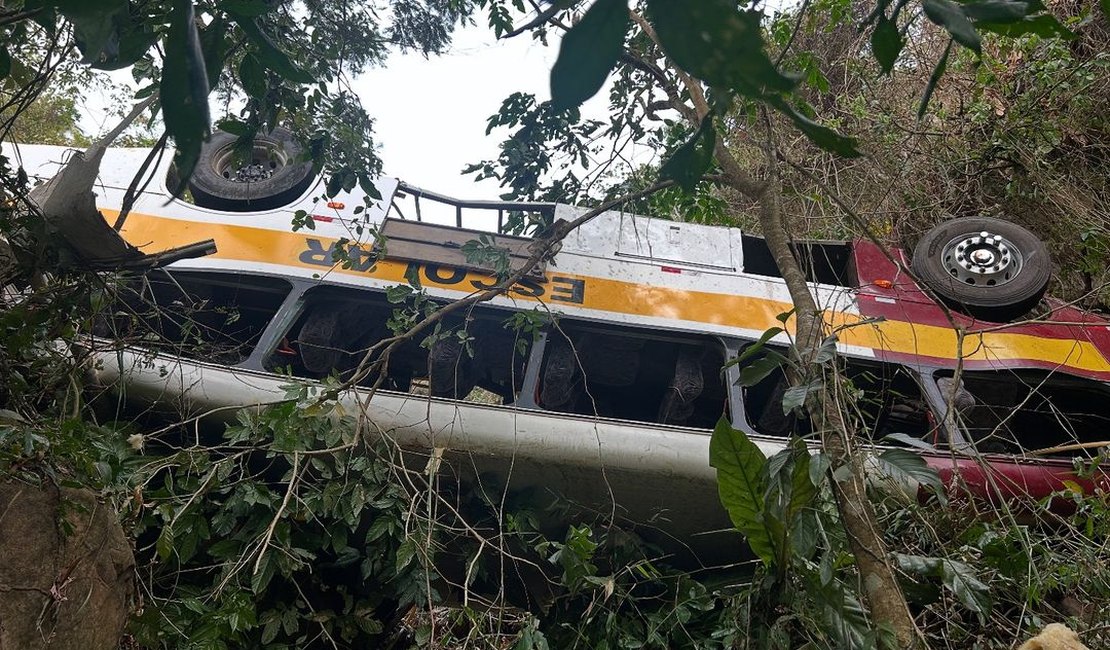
(184, 91)
(233, 126)
(94, 26)
(934, 79)
(261, 578)
(957, 577)
(270, 55)
(1105, 7)
(950, 15)
(719, 44)
(761, 368)
(750, 350)
(405, 554)
(215, 44)
(907, 468)
(826, 352)
(886, 43)
(247, 8)
(996, 11)
(164, 545)
(802, 488)
(910, 441)
(739, 464)
(795, 397)
(962, 580)
(5, 63)
(1044, 25)
(588, 52)
(692, 159)
(819, 134)
(252, 76)
(818, 467)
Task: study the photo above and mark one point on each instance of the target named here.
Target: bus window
(208, 316)
(474, 356)
(1025, 410)
(632, 374)
(882, 399)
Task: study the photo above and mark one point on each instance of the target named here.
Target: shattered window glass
(633, 375)
(1028, 410)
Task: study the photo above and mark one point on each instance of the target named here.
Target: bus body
(608, 393)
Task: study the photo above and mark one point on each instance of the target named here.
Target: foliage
(267, 539)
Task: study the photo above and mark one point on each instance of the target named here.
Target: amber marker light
(885, 284)
(336, 205)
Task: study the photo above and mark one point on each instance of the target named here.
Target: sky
(430, 114)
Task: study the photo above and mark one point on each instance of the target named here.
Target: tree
(709, 63)
(707, 66)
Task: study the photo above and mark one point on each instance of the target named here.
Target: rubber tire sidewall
(289, 182)
(999, 303)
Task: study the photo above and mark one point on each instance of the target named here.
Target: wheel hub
(251, 173)
(982, 259)
(264, 161)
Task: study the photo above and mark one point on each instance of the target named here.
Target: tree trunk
(880, 585)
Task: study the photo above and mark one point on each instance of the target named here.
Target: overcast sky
(430, 114)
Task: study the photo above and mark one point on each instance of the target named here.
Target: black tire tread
(998, 303)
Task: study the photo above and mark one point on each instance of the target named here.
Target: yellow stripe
(258, 245)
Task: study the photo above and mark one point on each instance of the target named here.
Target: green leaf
(588, 52)
(94, 26)
(950, 15)
(962, 580)
(270, 55)
(761, 368)
(909, 441)
(247, 8)
(1105, 7)
(692, 159)
(795, 396)
(997, 11)
(233, 126)
(826, 352)
(819, 134)
(934, 79)
(886, 43)
(253, 76)
(5, 63)
(750, 350)
(184, 91)
(261, 578)
(1044, 25)
(957, 577)
(908, 469)
(718, 43)
(739, 464)
(405, 553)
(215, 45)
(164, 545)
(802, 488)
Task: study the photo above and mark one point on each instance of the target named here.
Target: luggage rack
(545, 210)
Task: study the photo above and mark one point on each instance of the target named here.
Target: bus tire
(274, 177)
(985, 267)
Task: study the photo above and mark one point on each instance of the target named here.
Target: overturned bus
(599, 376)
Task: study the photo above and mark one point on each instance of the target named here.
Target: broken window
(826, 262)
(632, 374)
(471, 356)
(208, 316)
(1025, 410)
(883, 399)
